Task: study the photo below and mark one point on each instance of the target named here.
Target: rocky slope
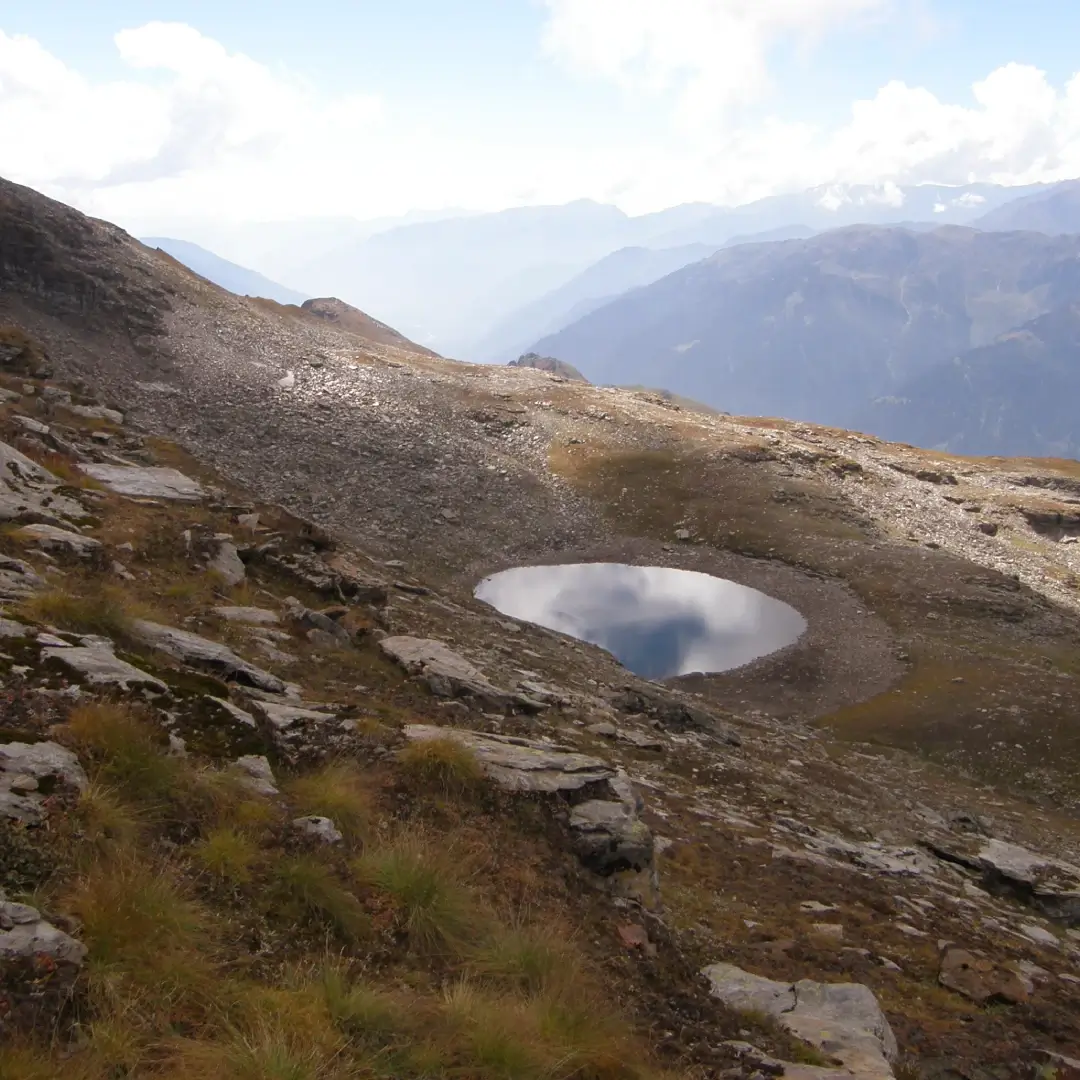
(855, 857)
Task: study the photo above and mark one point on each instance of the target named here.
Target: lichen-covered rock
(203, 653)
(38, 967)
(843, 1020)
(226, 563)
(447, 673)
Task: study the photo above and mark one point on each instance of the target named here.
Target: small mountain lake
(657, 621)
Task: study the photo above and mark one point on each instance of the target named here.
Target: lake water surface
(657, 621)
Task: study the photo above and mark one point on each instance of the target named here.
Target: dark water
(657, 621)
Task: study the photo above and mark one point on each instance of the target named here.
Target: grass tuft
(441, 765)
(127, 752)
(309, 889)
(437, 909)
(228, 855)
(104, 610)
(530, 959)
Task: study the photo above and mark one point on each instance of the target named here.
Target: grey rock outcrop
(609, 836)
(843, 1020)
(447, 673)
(522, 764)
(18, 579)
(1050, 886)
(28, 491)
(251, 616)
(146, 482)
(203, 653)
(29, 772)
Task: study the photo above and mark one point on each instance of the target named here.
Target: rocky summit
(280, 797)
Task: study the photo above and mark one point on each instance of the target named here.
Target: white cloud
(711, 53)
(192, 129)
(212, 112)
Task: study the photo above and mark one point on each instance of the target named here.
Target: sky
(151, 113)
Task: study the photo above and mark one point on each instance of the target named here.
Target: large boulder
(447, 673)
(843, 1020)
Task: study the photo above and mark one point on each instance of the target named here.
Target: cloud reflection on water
(657, 621)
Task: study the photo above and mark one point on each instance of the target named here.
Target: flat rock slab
(252, 616)
(522, 764)
(446, 672)
(284, 717)
(147, 482)
(50, 538)
(29, 772)
(842, 1020)
(98, 666)
(203, 653)
(1051, 886)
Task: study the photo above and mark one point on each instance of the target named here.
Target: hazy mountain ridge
(1014, 396)
(817, 329)
(622, 270)
(229, 275)
(453, 282)
(1053, 211)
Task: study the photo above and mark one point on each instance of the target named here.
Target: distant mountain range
(237, 279)
(622, 270)
(845, 305)
(1054, 211)
(455, 283)
(821, 329)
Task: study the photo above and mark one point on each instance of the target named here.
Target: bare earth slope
(934, 688)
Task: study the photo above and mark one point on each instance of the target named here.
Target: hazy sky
(152, 112)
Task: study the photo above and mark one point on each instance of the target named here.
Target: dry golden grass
(340, 792)
(308, 890)
(442, 766)
(102, 609)
(424, 880)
